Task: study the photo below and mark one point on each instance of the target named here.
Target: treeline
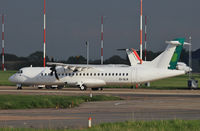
(13, 62)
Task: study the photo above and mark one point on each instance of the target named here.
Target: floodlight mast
(141, 31)
(44, 49)
(190, 57)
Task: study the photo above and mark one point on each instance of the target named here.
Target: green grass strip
(4, 75)
(46, 101)
(163, 125)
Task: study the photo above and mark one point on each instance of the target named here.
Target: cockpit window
(20, 72)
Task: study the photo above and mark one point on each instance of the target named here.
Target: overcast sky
(71, 22)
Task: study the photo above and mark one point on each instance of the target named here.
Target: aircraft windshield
(20, 72)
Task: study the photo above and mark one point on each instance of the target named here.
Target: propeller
(53, 70)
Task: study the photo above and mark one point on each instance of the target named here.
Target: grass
(163, 125)
(37, 101)
(4, 75)
(178, 82)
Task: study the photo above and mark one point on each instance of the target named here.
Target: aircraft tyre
(19, 87)
(83, 87)
(40, 87)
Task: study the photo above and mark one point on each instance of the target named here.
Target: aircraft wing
(73, 67)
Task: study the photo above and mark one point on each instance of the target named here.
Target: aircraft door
(133, 75)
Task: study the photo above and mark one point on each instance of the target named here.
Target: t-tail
(167, 59)
(177, 54)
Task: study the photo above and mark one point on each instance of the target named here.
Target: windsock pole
(44, 51)
(101, 39)
(3, 66)
(141, 31)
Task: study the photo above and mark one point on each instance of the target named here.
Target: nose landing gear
(19, 86)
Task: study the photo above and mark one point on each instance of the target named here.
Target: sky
(72, 22)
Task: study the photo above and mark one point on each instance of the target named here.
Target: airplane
(174, 64)
(97, 76)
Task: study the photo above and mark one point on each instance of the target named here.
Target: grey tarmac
(139, 104)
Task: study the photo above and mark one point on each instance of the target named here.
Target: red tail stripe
(137, 56)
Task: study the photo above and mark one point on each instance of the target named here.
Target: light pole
(87, 48)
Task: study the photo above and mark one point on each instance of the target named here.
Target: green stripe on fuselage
(177, 54)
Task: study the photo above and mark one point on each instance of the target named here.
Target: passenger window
(116, 74)
(98, 74)
(41, 74)
(69, 74)
(126, 74)
(83, 74)
(76, 74)
(80, 74)
(65, 74)
(72, 74)
(112, 74)
(105, 74)
(87, 74)
(101, 74)
(90, 74)
(94, 74)
(119, 74)
(109, 74)
(123, 74)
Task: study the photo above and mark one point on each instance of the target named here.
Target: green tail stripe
(177, 53)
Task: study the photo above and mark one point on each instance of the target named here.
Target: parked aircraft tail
(177, 54)
(133, 57)
(163, 60)
(167, 59)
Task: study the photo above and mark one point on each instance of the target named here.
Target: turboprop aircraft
(97, 76)
(174, 64)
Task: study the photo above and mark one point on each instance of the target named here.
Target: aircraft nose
(12, 78)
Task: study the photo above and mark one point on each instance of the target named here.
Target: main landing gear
(83, 88)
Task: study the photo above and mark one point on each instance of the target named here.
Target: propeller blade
(56, 75)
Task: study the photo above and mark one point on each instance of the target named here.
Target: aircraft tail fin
(133, 56)
(177, 54)
(163, 60)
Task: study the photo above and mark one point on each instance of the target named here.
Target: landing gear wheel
(19, 87)
(82, 88)
(40, 87)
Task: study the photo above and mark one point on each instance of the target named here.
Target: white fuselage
(92, 77)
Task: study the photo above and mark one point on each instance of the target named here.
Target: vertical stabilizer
(177, 54)
(163, 60)
(133, 57)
